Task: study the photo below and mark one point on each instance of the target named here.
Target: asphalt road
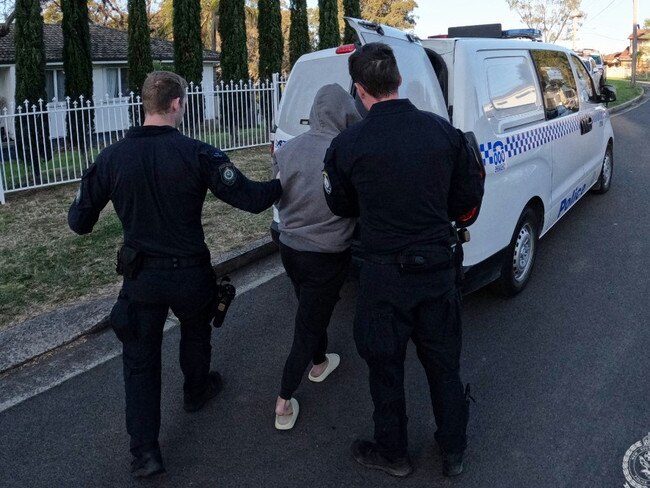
(559, 374)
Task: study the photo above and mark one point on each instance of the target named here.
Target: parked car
(590, 65)
(543, 132)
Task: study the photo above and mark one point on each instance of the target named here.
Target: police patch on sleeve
(228, 174)
(327, 186)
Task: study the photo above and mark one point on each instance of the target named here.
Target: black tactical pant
(395, 305)
(317, 279)
(138, 319)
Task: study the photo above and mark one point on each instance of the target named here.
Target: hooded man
(314, 244)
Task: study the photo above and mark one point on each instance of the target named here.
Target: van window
(511, 85)
(558, 83)
(585, 86)
(306, 79)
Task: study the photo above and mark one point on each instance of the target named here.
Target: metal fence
(46, 144)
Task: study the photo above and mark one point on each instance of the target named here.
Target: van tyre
(520, 255)
(605, 179)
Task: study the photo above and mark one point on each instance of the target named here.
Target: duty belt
(412, 259)
(174, 262)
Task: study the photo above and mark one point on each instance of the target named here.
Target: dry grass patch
(44, 265)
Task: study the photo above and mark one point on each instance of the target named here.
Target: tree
(396, 13)
(269, 27)
(328, 28)
(299, 31)
(188, 48)
(77, 63)
(32, 132)
(139, 55)
(549, 16)
(351, 8)
(232, 31)
(646, 24)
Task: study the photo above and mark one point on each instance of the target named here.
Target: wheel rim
(522, 260)
(607, 169)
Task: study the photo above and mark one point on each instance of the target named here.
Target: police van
(543, 132)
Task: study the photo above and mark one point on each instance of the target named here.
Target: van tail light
(346, 49)
(467, 219)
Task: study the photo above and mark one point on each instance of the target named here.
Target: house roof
(642, 35)
(106, 45)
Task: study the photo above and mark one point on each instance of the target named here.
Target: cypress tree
(30, 84)
(328, 28)
(269, 26)
(188, 47)
(299, 31)
(232, 31)
(351, 8)
(77, 64)
(139, 56)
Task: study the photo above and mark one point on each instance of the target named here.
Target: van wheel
(520, 255)
(605, 178)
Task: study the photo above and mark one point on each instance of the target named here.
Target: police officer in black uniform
(157, 180)
(406, 174)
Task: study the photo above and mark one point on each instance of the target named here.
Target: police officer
(157, 180)
(406, 174)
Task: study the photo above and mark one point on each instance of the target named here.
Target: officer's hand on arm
(467, 181)
(230, 185)
(92, 197)
(340, 195)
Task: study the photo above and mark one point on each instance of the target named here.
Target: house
(624, 58)
(109, 48)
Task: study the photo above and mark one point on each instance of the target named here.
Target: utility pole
(634, 39)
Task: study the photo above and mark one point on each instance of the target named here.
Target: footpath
(27, 341)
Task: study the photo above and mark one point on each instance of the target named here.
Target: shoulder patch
(228, 174)
(327, 186)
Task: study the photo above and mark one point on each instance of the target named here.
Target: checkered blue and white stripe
(495, 152)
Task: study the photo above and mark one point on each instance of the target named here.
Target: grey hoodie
(306, 222)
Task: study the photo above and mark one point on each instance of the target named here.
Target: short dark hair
(159, 89)
(373, 66)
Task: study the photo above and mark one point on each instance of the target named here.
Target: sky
(606, 27)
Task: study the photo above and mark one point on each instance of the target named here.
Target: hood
(333, 110)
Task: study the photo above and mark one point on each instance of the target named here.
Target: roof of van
(492, 44)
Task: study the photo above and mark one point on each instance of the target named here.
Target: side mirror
(607, 93)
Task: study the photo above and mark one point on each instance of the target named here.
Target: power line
(589, 19)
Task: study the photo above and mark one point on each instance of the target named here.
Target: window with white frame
(116, 82)
(55, 84)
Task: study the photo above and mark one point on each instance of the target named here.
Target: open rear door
(419, 81)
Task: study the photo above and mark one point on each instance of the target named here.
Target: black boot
(367, 454)
(193, 404)
(149, 463)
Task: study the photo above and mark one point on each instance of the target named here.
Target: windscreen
(306, 78)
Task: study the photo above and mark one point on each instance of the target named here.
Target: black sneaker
(367, 454)
(215, 384)
(147, 464)
(452, 463)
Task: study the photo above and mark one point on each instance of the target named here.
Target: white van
(544, 135)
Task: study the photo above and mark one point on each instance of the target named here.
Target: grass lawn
(45, 265)
(624, 91)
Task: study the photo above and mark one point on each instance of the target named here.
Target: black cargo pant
(317, 279)
(138, 319)
(397, 304)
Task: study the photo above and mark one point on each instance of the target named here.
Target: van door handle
(586, 125)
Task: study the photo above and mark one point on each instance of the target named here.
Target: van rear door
(419, 81)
